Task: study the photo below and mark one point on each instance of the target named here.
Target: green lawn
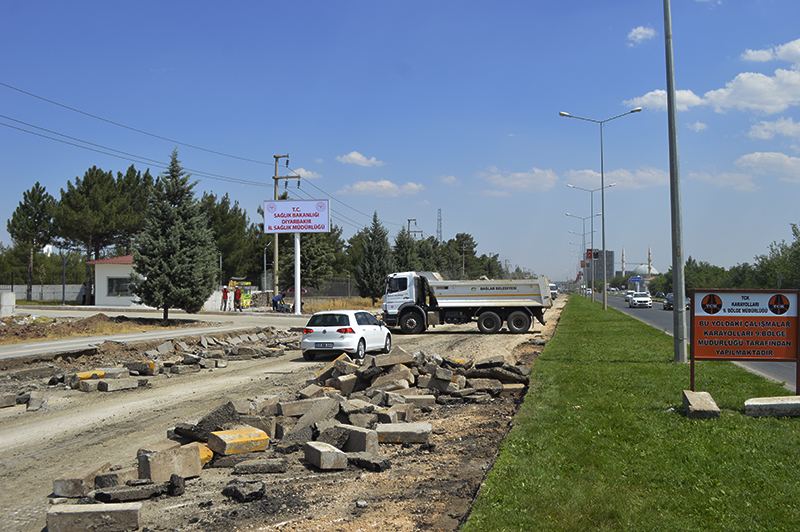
(601, 441)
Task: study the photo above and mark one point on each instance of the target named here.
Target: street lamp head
(638, 109)
(562, 113)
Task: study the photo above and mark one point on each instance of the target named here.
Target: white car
(628, 295)
(355, 332)
(640, 299)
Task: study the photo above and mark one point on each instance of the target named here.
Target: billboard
(297, 216)
(744, 325)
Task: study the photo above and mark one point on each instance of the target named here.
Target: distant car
(669, 302)
(553, 291)
(640, 299)
(660, 295)
(628, 295)
(355, 332)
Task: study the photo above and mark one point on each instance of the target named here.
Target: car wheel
(361, 350)
(387, 345)
(309, 355)
(518, 322)
(411, 323)
(489, 323)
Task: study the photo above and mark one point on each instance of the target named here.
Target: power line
(98, 148)
(131, 128)
(343, 203)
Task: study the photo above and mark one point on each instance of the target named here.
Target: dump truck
(415, 301)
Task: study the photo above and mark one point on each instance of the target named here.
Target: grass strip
(601, 441)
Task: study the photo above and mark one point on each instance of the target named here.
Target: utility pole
(275, 178)
(410, 232)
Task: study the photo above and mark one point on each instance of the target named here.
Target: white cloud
(412, 188)
(356, 158)
(757, 92)
(645, 176)
(640, 34)
(307, 174)
(743, 182)
(697, 126)
(789, 52)
(758, 56)
(449, 180)
(657, 100)
(535, 179)
(383, 189)
(783, 126)
(748, 91)
(771, 162)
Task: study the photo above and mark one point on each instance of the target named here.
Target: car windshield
(329, 320)
(641, 294)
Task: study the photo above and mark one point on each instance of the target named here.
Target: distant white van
(553, 291)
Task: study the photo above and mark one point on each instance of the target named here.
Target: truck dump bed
(506, 293)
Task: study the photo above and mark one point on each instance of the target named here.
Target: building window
(118, 286)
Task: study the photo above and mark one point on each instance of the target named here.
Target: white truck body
(415, 301)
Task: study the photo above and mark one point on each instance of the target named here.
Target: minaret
(649, 261)
(623, 262)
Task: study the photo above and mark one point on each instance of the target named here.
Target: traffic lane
(785, 372)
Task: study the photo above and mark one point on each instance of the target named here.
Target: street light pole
(602, 187)
(591, 204)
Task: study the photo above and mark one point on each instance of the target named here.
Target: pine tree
(175, 256)
(84, 217)
(31, 225)
(376, 261)
(405, 252)
(133, 191)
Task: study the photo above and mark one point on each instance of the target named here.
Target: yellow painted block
(86, 375)
(236, 441)
(149, 363)
(206, 454)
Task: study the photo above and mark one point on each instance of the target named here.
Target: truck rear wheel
(489, 323)
(519, 322)
(411, 323)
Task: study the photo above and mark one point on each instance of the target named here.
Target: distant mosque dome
(642, 270)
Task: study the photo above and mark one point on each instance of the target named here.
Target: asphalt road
(222, 322)
(663, 319)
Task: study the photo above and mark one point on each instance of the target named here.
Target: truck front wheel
(411, 323)
(519, 322)
(489, 323)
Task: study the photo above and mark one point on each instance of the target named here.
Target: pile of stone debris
(338, 420)
(167, 359)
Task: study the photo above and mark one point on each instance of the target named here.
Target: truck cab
(406, 299)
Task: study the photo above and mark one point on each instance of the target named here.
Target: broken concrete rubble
(337, 421)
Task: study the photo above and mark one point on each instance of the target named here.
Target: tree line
(174, 236)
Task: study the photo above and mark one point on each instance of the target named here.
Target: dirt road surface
(427, 487)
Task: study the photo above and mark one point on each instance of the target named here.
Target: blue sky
(406, 108)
